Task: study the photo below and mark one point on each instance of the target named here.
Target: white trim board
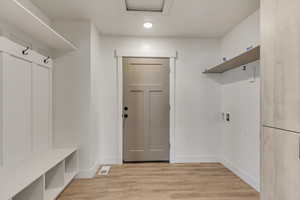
(110, 160)
(172, 55)
(197, 159)
(149, 54)
(89, 173)
(252, 181)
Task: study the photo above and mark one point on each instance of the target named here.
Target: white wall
(73, 123)
(244, 35)
(197, 131)
(241, 98)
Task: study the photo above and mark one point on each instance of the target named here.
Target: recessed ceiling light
(148, 25)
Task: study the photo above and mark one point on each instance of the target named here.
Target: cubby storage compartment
(54, 181)
(71, 167)
(33, 192)
(49, 167)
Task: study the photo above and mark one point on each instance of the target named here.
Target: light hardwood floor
(162, 181)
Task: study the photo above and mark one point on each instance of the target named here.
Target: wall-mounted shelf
(15, 13)
(242, 59)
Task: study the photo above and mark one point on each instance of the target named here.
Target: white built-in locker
(25, 103)
(41, 108)
(16, 106)
(30, 169)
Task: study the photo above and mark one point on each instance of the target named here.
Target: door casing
(172, 55)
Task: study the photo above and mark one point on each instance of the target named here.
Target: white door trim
(172, 55)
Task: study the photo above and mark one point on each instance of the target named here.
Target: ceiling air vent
(147, 6)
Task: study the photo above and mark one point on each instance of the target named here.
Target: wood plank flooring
(162, 181)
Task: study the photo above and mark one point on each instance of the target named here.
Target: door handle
(125, 115)
(125, 108)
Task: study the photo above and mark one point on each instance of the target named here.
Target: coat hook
(46, 60)
(26, 51)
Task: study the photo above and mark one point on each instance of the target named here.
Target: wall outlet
(227, 117)
(249, 48)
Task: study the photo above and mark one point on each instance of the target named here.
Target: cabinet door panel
(41, 108)
(281, 165)
(17, 144)
(280, 61)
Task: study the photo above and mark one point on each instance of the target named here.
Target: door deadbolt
(125, 115)
(125, 108)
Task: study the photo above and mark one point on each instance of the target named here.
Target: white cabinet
(281, 166)
(280, 28)
(16, 109)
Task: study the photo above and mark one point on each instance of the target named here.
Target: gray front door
(146, 109)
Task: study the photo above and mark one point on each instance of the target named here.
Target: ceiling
(181, 18)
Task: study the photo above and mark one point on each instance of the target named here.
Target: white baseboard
(196, 159)
(111, 161)
(252, 181)
(89, 173)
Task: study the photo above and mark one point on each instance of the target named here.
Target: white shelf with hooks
(242, 59)
(18, 13)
